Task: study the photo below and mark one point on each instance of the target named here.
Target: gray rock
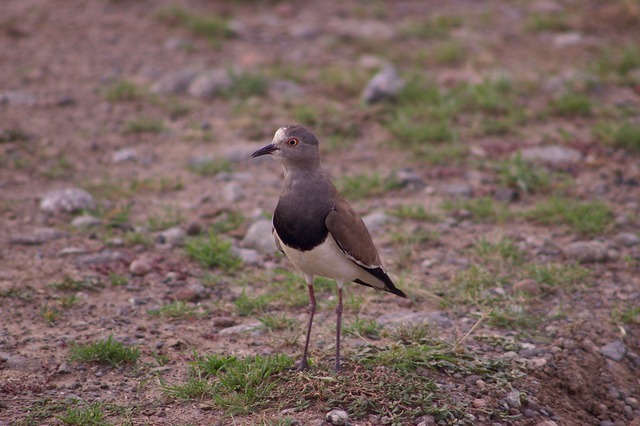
(85, 221)
(513, 399)
(568, 39)
(210, 84)
(71, 251)
(248, 256)
(67, 200)
(174, 83)
(386, 84)
(337, 417)
(174, 236)
(615, 350)
(233, 192)
(242, 328)
(528, 286)
(191, 293)
(457, 189)
(506, 195)
(37, 237)
(285, 89)
(554, 155)
(375, 221)
(547, 423)
(400, 319)
(408, 178)
(102, 258)
(627, 239)
(17, 98)
(259, 237)
(140, 267)
(587, 251)
(366, 29)
(124, 154)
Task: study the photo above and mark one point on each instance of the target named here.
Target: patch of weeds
(571, 104)
(170, 217)
(504, 250)
(341, 81)
(588, 218)
(626, 315)
(214, 28)
(176, 310)
(518, 174)
(619, 61)
(210, 167)
(556, 22)
(21, 293)
(38, 411)
(162, 184)
(68, 301)
(15, 134)
(103, 351)
(122, 90)
(247, 305)
(450, 53)
(366, 185)
(436, 27)
(624, 135)
(415, 212)
(416, 130)
(160, 359)
(134, 238)
(245, 85)
(410, 333)
(228, 222)
(483, 209)
(49, 313)
(513, 316)
(88, 415)
(143, 125)
(213, 251)
(340, 127)
(237, 385)
(556, 275)
(470, 286)
(490, 97)
(365, 328)
(276, 322)
(71, 284)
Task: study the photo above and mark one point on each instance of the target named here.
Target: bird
(317, 229)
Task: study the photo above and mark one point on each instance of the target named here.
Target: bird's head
(293, 146)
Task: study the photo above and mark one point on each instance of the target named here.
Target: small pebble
(337, 417)
(140, 267)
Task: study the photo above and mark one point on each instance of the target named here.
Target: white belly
(326, 260)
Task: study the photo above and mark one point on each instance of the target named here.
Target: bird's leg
(338, 326)
(304, 364)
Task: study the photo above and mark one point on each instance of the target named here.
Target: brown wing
(351, 234)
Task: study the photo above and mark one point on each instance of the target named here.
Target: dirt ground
(98, 95)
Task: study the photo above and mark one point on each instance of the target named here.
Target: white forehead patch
(279, 133)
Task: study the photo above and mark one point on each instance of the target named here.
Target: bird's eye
(292, 142)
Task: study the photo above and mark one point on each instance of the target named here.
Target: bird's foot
(303, 365)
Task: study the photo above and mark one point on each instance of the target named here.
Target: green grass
(619, 61)
(587, 218)
(245, 85)
(210, 167)
(555, 22)
(169, 217)
(503, 250)
(364, 328)
(143, 125)
(483, 209)
(557, 276)
(211, 27)
(176, 310)
(87, 415)
(235, 385)
(450, 53)
(626, 315)
(247, 305)
(624, 134)
(117, 279)
(415, 212)
(523, 176)
(71, 284)
(49, 313)
(227, 222)
(122, 90)
(274, 322)
(366, 185)
(104, 352)
(571, 104)
(435, 27)
(213, 251)
(68, 301)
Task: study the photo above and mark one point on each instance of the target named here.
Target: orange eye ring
(292, 142)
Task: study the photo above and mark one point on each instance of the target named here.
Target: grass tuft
(88, 415)
(588, 218)
(104, 352)
(526, 177)
(213, 251)
(143, 125)
(366, 185)
(623, 135)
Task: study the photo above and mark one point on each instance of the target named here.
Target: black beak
(265, 150)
